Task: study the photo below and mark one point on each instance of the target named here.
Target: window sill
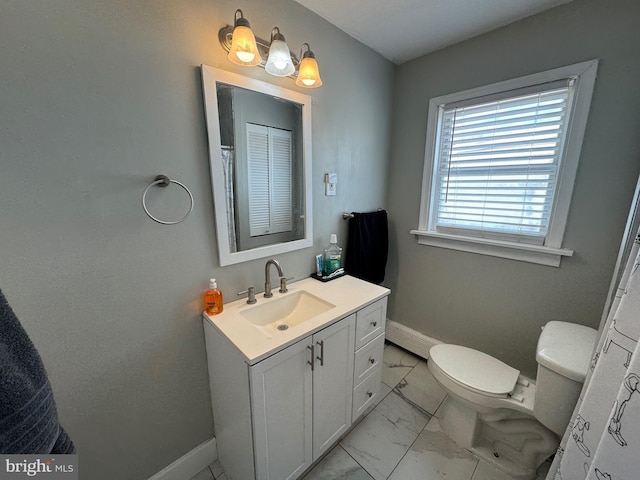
(514, 251)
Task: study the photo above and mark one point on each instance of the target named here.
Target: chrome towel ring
(164, 181)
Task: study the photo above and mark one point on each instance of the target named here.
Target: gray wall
(97, 97)
(494, 304)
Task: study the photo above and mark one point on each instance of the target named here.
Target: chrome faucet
(267, 278)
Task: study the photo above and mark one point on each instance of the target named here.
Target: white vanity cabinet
(367, 372)
(278, 412)
(301, 401)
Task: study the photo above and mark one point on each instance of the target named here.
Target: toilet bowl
(511, 421)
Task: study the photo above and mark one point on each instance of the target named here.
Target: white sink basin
(306, 308)
(287, 311)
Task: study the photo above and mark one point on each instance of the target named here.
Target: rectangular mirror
(260, 159)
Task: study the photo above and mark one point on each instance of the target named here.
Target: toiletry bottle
(213, 299)
(319, 264)
(332, 256)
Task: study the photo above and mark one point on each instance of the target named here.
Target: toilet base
(511, 441)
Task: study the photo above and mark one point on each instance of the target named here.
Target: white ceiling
(401, 30)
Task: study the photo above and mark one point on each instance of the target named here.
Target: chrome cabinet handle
(311, 347)
(321, 357)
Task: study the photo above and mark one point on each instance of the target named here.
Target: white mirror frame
(210, 76)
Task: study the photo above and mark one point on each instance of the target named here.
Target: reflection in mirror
(260, 157)
(260, 138)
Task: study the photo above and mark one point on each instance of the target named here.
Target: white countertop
(347, 293)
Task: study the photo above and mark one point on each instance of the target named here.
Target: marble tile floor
(400, 438)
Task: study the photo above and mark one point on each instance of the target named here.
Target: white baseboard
(409, 339)
(190, 464)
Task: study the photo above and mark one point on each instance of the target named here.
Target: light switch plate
(329, 189)
(330, 182)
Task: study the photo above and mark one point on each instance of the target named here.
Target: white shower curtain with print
(603, 438)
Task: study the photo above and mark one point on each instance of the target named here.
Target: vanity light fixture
(246, 49)
(279, 62)
(308, 73)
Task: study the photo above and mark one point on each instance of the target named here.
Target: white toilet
(511, 421)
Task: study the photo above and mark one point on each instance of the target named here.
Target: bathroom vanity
(290, 374)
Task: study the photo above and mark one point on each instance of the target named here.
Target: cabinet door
(332, 383)
(281, 400)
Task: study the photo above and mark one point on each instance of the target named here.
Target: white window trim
(551, 252)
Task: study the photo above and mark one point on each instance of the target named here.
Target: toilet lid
(475, 370)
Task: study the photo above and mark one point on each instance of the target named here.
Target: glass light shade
(308, 73)
(279, 62)
(244, 50)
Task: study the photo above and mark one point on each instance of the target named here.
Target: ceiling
(401, 30)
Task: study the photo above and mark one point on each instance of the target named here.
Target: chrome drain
(282, 327)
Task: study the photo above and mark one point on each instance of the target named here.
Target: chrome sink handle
(251, 295)
(283, 284)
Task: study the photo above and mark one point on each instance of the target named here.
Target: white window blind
(269, 158)
(497, 161)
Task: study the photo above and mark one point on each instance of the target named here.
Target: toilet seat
(474, 370)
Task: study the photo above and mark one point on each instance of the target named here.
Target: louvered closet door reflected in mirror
(269, 157)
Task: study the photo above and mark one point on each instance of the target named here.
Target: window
(269, 161)
(500, 163)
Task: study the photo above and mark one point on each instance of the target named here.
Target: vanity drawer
(370, 322)
(366, 394)
(367, 359)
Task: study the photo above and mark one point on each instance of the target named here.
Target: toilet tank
(563, 354)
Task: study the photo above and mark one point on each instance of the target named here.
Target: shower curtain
(228, 166)
(602, 441)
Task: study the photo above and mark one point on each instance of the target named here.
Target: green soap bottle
(332, 256)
